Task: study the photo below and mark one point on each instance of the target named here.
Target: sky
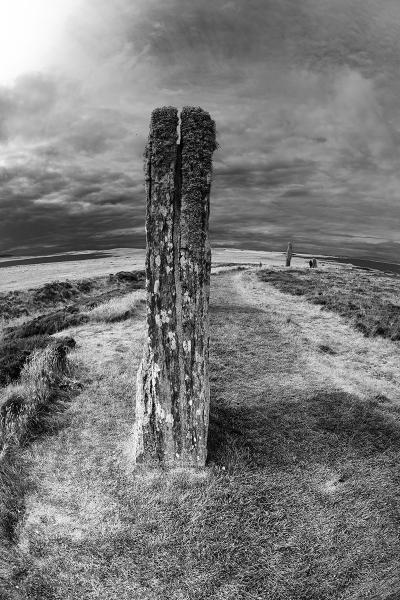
(305, 95)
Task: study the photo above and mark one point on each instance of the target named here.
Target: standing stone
(289, 253)
(172, 401)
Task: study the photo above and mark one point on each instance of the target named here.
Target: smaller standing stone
(289, 254)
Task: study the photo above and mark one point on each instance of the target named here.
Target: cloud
(304, 94)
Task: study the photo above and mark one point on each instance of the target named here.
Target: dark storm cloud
(263, 175)
(45, 209)
(305, 96)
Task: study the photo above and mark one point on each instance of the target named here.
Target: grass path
(333, 350)
(299, 500)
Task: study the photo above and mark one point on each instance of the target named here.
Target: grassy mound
(60, 291)
(27, 409)
(15, 352)
(22, 403)
(60, 294)
(113, 309)
(46, 324)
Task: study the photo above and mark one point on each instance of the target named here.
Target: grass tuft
(14, 353)
(22, 404)
(326, 349)
(117, 309)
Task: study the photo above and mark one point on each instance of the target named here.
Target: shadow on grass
(261, 528)
(237, 308)
(320, 429)
(259, 427)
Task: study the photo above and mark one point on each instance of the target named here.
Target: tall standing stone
(289, 253)
(172, 400)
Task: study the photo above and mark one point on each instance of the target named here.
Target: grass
(22, 404)
(369, 301)
(114, 309)
(15, 483)
(62, 294)
(45, 324)
(299, 499)
(100, 299)
(117, 309)
(28, 409)
(14, 354)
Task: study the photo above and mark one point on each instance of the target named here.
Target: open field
(300, 496)
(118, 259)
(31, 276)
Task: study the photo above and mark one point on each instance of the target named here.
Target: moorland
(300, 495)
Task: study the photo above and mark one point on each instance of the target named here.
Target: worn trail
(333, 353)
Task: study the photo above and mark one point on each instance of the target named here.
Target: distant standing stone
(289, 253)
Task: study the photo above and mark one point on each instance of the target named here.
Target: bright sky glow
(29, 30)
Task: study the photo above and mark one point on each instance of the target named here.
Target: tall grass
(27, 408)
(22, 403)
(117, 309)
(14, 353)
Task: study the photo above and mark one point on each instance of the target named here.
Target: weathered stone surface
(172, 401)
(157, 390)
(289, 253)
(198, 145)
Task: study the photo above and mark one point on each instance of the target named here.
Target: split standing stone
(172, 400)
